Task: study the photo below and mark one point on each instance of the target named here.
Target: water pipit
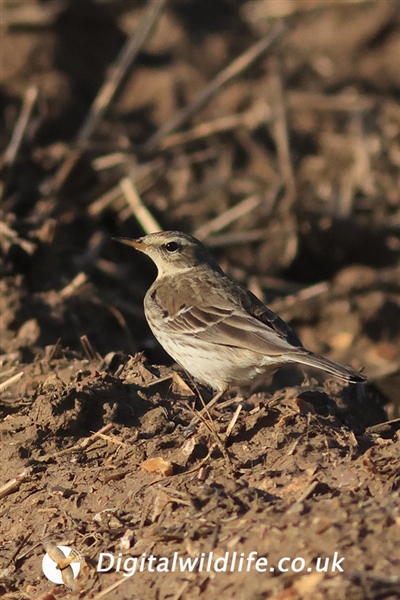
(217, 330)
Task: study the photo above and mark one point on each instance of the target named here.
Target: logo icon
(61, 564)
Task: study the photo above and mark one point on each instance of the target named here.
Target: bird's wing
(240, 329)
(257, 309)
(67, 575)
(234, 326)
(55, 553)
(229, 315)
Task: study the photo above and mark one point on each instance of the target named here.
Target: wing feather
(233, 327)
(229, 316)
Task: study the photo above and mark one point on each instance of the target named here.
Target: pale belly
(219, 367)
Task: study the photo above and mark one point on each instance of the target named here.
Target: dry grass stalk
(14, 484)
(119, 69)
(139, 210)
(21, 126)
(228, 217)
(11, 381)
(233, 70)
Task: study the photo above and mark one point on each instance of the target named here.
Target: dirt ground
(270, 130)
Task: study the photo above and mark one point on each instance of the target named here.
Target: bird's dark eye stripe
(172, 246)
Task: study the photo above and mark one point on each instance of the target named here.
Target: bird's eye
(172, 246)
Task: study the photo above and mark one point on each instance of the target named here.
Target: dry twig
(257, 114)
(14, 484)
(281, 134)
(21, 125)
(229, 216)
(303, 295)
(140, 211)
(11, 381)
(235, 68)
(78, 281)
(8, 237)
(233, 421)
(84, 443)
(107, 92)
(119, 69)
(88, 349)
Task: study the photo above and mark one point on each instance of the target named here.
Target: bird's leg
(237, 399)
(205, 410)
(212, 402)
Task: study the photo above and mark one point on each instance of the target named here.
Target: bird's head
(172, 252)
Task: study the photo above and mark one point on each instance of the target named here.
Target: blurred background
(270, 129)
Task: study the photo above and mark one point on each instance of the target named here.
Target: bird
(63, 562)
(217, 330)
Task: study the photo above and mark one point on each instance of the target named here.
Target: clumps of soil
(269, 130)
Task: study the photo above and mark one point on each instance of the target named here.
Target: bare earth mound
(270, 130)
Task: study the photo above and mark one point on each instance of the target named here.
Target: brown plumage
(63, 562)
(217, 330)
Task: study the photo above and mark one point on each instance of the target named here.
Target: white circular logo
(61, 564)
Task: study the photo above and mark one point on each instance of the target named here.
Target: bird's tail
(329, 366)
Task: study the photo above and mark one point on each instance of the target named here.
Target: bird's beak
(137, 244)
